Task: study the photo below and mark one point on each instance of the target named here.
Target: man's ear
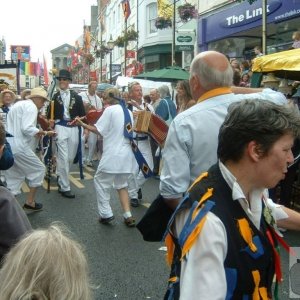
(253, 150)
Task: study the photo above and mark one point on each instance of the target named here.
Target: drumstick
(73, 122)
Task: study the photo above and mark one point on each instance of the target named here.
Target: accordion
(156, 127)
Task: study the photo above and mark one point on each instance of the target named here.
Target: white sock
(127, 214)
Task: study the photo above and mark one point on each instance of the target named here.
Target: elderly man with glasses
(67, 105)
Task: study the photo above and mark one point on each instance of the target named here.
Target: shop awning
(285, 64)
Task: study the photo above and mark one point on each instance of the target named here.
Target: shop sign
(116, 68)
(184, 48)
(184, 38)
(249, 15)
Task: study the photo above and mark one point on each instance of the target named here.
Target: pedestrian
(46, 264)
(258, 51)
(67, 106)
(137, 180)
(13, 221)
(166, 108)
(117, 161)
(191, 144)
(91, 102)
(7, 98)
(185, 99)
(296, 39)
(155, 98)
(21, 124)
(227, 250)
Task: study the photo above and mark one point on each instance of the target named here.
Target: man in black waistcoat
(67, 106)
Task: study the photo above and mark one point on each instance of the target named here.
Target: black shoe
(67, 194)
(140, 195)
(134, 202)
(106, 220)
(36, 207)
(130, 222)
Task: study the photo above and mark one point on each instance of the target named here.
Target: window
(152, 15)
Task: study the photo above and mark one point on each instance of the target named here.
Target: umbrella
(168, 74)
(101, 87)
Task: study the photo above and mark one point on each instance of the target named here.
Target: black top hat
(64, 74)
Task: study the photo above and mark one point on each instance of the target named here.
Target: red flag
(46, 76)
(126, 9)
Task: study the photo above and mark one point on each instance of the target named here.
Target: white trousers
(103, 184)
(137, 179)
(26, 166)
(67, 143)
(92, 142)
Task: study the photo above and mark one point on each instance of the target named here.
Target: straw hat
(270, 81)
(38, 92)
(270, 78)
(13, 95)
(284, 87)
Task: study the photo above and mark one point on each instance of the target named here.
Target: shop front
(237, 29)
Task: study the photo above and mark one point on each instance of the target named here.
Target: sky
(43, 24)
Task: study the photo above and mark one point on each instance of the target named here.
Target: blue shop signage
(244, 16)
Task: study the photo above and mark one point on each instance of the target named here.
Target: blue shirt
(163, 110)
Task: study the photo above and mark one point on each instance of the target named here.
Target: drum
(42, 120)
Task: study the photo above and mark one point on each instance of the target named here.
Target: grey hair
(255, 120)
(211, 78)
(164, 91)
(46, 264)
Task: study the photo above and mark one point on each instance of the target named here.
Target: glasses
(62, 79)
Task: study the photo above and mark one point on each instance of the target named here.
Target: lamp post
(110, 46)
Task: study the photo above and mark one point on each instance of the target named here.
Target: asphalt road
(122, 265)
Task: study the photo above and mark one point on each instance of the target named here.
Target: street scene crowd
(221, 150)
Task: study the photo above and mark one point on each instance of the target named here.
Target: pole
(137, 29)
(264, 26)
(125, 47)
(173, 32)
(110, 67)
(101, 55)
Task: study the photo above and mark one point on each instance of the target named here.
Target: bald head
(215, 60)
(209, 70)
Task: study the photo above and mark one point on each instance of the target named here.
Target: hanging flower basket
(131, 35)
(100, 52)
(119, 42)
(163, 23)
(187, 12)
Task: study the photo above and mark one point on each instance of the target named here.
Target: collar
(214, 93)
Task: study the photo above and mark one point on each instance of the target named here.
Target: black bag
(154, 223)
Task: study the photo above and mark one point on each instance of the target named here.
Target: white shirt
(117, 154)
(65, 97)
(21, 123)
(192, 140)
(202, 272)
(92, 100)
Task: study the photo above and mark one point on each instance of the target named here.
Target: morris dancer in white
(117, 161)
(143, 141)
(91, 101)
(21, 123)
